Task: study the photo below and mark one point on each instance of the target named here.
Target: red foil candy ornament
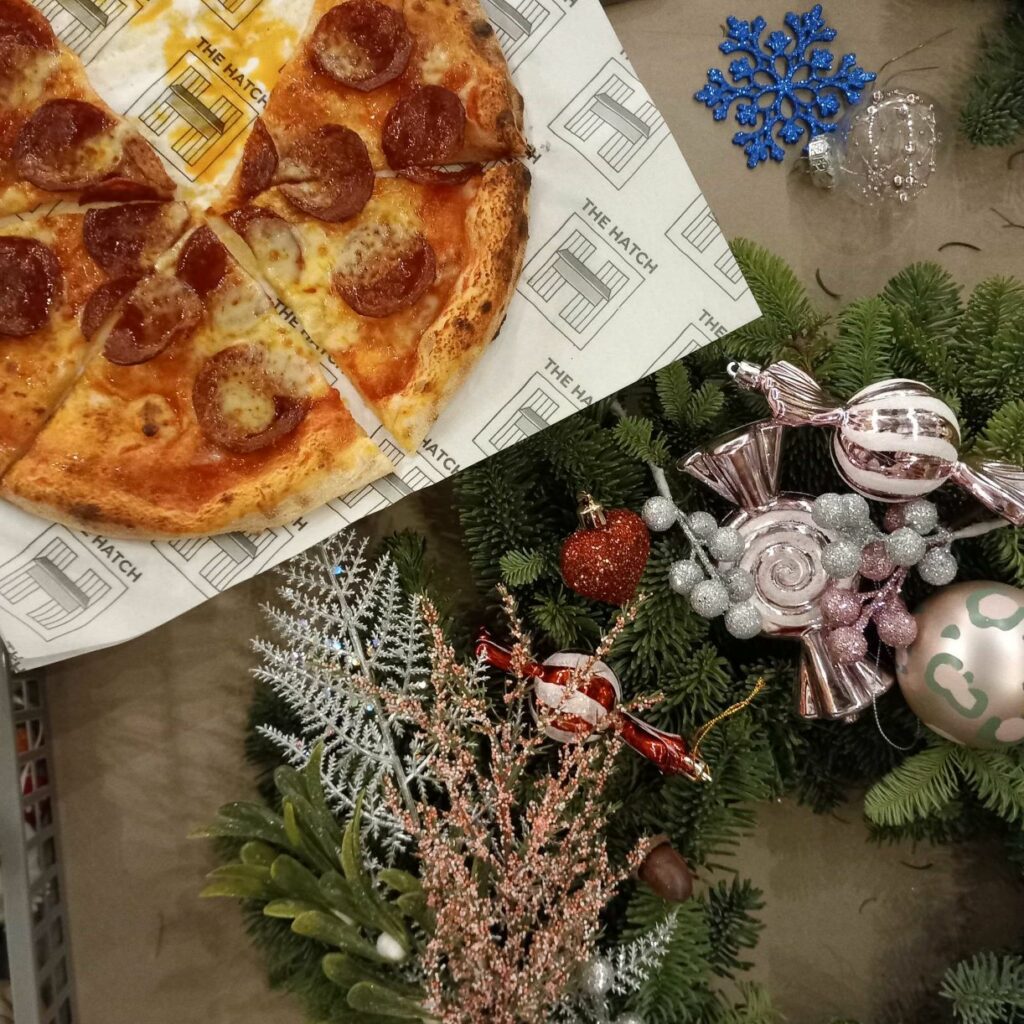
(582, 706)
(605, 558)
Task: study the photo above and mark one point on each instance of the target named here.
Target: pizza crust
(45, 489)
(497, 231)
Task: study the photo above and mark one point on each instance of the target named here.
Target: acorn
(665, 871)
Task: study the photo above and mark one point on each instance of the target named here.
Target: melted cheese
(434, 65)
(26, 85)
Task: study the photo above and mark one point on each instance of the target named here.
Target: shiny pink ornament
(893, 518)
(896, 626)
(875, 563)
(847, 644)
(839, 606)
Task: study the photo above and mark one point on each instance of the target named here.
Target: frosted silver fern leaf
(633, 962)
(344, 621)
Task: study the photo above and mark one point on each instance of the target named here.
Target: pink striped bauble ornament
(897, 441)
(894, 441)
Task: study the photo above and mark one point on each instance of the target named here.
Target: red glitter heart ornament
(605, 558)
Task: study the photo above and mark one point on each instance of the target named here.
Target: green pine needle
(987, 989)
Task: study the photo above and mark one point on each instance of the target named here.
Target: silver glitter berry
(684, 575)
(725, 544)
(703, 524)
(709, 598)
(921, 516)
(597, 977)
(840, 559)
(659, 513)
(743, 621)
(828, 511)
(739, 583)
(856, 509)
(938, 567)
(905, 546)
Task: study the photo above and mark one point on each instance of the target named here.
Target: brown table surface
(148, 735)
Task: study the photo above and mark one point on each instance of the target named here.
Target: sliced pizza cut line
(407, 295)
(58, 139)
(422, 83)
(202, 412)
(46, 277)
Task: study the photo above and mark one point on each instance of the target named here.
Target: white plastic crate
(35, 914)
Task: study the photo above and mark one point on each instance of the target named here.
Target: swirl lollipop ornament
(782, 553)
(894, 441)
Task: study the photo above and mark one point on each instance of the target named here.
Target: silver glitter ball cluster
(916, 539)
(726, 592)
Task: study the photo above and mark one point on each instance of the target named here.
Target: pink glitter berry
(839, 606)
(846, 644)
(875, 563)
(896, 626)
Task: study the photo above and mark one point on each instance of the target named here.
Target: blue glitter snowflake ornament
(785, 91)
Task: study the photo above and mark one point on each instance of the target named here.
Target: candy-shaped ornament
(782, 554)
(964, 674)
(579, 706)
(894, 441)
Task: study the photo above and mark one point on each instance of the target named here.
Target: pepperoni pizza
(201, 412)
(369, 214)
(150, 388)
(58, 139)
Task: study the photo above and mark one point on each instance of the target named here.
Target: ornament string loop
(733, 709)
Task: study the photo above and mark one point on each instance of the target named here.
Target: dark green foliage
(519, 506)
(993, 114)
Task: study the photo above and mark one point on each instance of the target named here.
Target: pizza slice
(202, 413)
(406, 294)
(419, 83)
(58, 139)
(49, 267)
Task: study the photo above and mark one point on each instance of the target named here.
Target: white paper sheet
(626, 270)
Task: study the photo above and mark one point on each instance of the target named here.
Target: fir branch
(521, 567)
(987, 989)
(923, 784)
(862, 354)
(636, 436)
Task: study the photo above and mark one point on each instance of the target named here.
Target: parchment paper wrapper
(626, 271)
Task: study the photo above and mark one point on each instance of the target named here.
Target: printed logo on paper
(612, 123)
(213, 564)
(232, 12)
(63, 581)
(688, 340)
(696, 235)
(578, 280)
(193, 112)
(535, 406)
(86, 26)
(521, 25)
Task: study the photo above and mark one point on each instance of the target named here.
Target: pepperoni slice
(259, 162)
(426, 127)
(362, 44)
(22, 24)
(240, 405)
(139, 175)
(328, 173)
(159, 310)
(123, 239)
(203, 261)
(30, 280)
(385, 270)
(442, 175)
(271, 238)
(103, 301)
(61, 145)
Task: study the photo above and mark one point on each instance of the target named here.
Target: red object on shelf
(670, 753)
